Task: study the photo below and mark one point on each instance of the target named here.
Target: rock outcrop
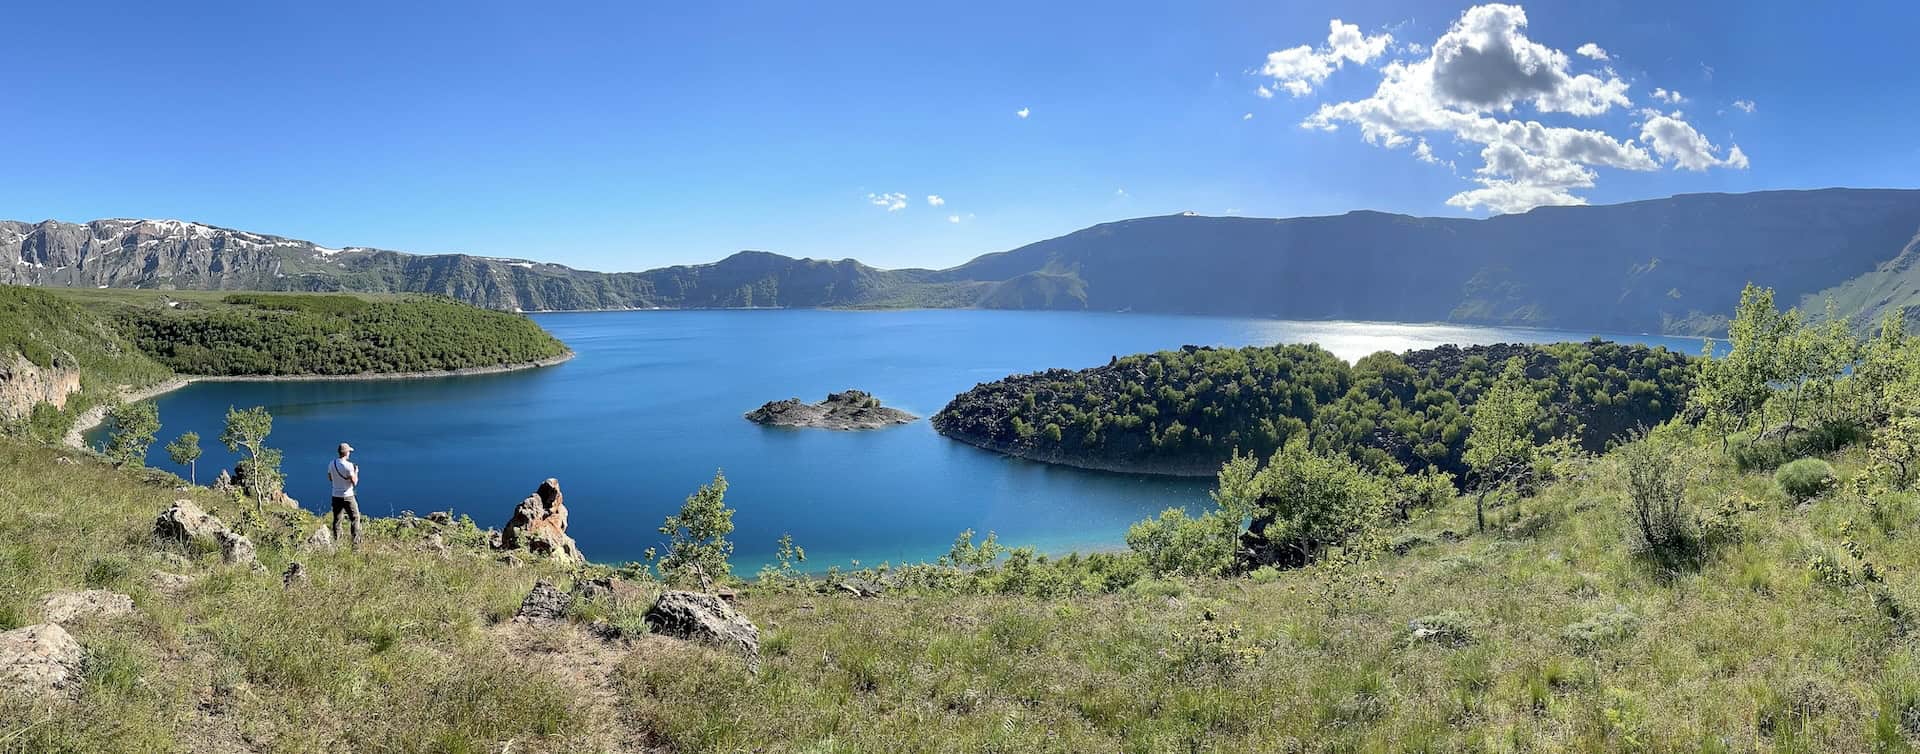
(185, 522)
(706, 618)
(849, 409)
(24, 384)
(545, 602)
(38, 659)
(539, 525)
(65, 607)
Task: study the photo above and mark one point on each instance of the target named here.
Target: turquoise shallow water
(652, 405)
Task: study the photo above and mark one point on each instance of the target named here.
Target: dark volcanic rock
(851, 409)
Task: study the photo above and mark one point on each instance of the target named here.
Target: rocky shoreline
(1205, 470)
(76, 437)
(845, 410)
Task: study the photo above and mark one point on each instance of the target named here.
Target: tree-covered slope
(305, 334)
(1185, 412)
(1662, 265)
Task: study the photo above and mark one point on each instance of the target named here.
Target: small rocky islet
(845, 410)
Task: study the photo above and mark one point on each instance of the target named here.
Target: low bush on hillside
(1805, 479)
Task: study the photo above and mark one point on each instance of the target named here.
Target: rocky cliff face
(24, 384)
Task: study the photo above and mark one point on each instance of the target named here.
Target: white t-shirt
(341, 472)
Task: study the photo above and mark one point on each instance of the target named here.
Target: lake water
(652, 405)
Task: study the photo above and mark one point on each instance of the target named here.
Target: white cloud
(892, 201)
(1676, 141)
(1248, 116)
(1120, 192)
(1745, 105)
(1592, 50)
(1415, 48)
(934, 200)
(1263, 92)
(1478, 74)
(1299, 69)
(953, 218)
(1669, 97)
(1023, 113)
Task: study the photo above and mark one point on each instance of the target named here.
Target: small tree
(247, 430)
(1203, 546)
(134, 427)
(185, 450)
(1310, 501)
(1500, 444)
(697, 535)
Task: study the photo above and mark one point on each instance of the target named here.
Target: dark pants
(352, 508)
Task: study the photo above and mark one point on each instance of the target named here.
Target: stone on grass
(706, 618)
(185, 522)
(321, 540)
(170, 582)
(545, 602)
(236, 549)
(38, 660)
(64, 607)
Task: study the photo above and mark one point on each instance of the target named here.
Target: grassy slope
(399, 650)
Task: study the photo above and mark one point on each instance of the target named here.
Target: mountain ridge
(1652, 265)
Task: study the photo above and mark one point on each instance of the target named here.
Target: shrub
(1603, 629)
(1656, 474)
(1804, 479)
(1450, 629)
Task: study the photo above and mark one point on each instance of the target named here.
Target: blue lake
(652, 405)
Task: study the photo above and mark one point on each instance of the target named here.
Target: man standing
(344, 475)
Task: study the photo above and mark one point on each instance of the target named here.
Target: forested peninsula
(67, 355)
(1185, 412)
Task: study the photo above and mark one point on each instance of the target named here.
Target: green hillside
(50, 334)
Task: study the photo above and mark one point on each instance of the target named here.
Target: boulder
(321, 540)
(441, 518)
(236, 549)
(65, 607)
(539, 524)
(545, 602)
(185, 522)
(38, 660)
(705, 618)
(436, 544)
(223, 483)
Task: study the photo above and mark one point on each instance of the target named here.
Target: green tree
(1500, 445)
(1311, 501)
(247, 431)
(697, 545)
(134, 427)
(1176, 543)
(185, 450)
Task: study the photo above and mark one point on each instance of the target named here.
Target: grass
(1558, 638)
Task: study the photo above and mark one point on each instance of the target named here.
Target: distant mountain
(1672, 265)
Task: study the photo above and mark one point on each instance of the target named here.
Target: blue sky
(623, 136)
